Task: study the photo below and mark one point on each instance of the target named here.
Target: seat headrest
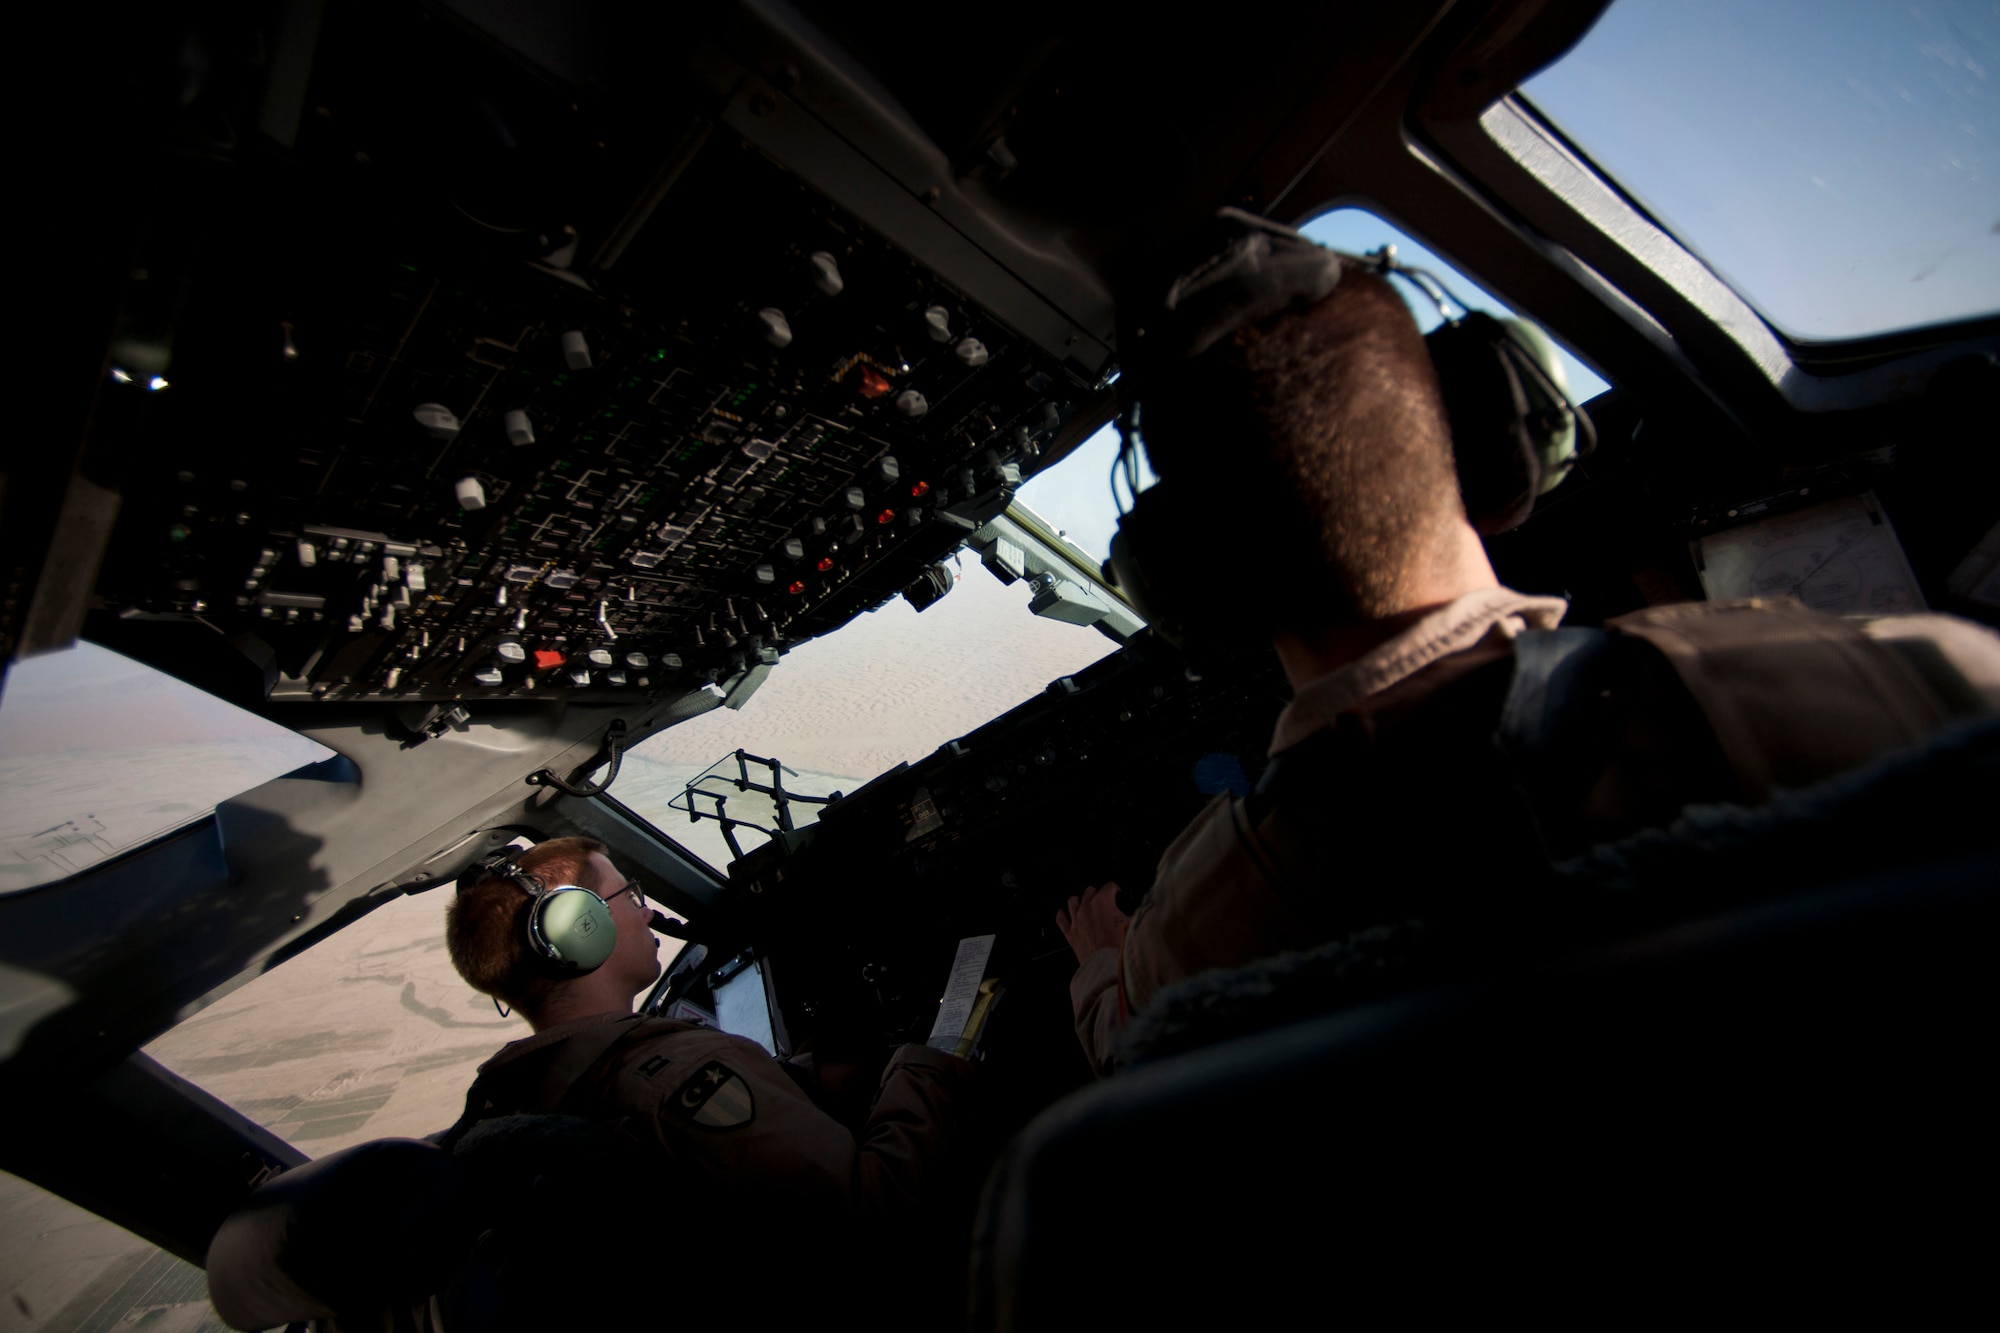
(377, 1225)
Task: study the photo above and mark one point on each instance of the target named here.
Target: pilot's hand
(1092, 921)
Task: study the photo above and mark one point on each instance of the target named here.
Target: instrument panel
(1089, 782)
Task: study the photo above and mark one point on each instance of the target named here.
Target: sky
(1836, 161)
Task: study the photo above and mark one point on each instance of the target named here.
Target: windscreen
(1837, 161)
(99, 753)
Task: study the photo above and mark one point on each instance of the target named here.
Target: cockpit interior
(482, 391)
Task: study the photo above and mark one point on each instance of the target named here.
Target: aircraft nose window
(1833, 159)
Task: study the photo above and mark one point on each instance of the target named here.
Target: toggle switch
(438, 419)
(471, 494)
(777, 331)
(826, 272)
(576, 350)
(519, 429)
(937, 322)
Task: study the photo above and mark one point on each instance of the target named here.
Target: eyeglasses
(631, 887)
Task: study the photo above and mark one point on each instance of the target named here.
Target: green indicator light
(178, 532)
(660, 355)
(407, 268)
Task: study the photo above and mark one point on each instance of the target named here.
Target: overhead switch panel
(514, 465)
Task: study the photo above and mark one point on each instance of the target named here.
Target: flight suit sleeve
(907, 1139)
(1216, 901)
(1093, 996)
(723, 1109)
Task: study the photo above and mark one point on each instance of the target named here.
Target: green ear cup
(1551, 421)
(574, 928)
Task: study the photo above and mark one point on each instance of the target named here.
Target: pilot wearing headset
(562, 936)
(1325, 478)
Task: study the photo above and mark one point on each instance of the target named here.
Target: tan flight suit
(721, 1110)
(1789, 695)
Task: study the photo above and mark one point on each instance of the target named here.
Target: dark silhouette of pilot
(1443, 738)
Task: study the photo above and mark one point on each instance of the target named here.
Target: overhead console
(502, 387)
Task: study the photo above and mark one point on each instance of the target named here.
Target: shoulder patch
(653, 1066)
(716, 1097)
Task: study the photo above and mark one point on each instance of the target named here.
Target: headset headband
(1260, 269)
(500, 866)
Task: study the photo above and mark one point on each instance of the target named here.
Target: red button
(547, 659)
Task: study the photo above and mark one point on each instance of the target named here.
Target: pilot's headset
(570, 929)
(1194, 557)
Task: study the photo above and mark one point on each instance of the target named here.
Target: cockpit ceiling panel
(423, 449)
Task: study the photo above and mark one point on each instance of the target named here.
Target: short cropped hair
(486, 924)
(1340, 407)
